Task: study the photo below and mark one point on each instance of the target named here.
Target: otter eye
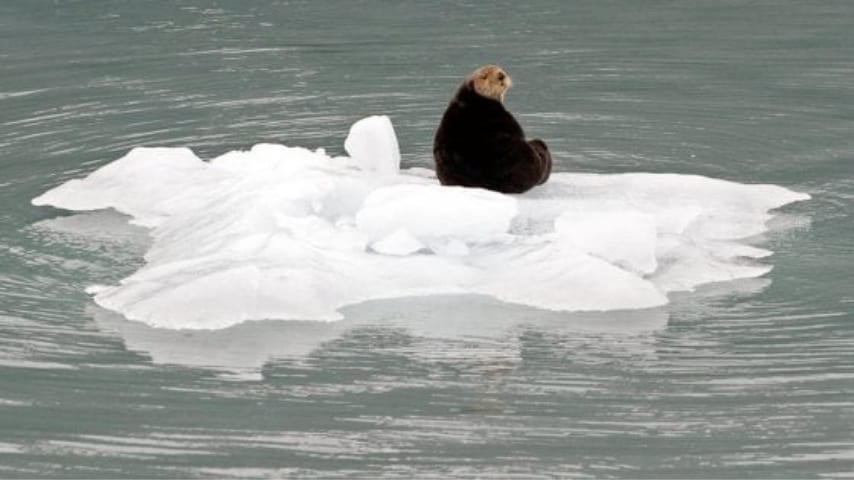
(501, 75)
(484, 75)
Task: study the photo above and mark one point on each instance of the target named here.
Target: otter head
(490, 81)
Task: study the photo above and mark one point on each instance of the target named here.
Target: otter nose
(500, 75)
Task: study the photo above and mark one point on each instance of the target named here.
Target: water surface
(751, 379)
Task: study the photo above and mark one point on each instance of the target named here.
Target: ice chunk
(150, 184)
(288, 233)
(399, 242)
(430, 212)
(372, 144)
(688, 265)
(453, 247)
(555, 276)
(624, 238)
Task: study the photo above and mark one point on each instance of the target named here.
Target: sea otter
(480, 144)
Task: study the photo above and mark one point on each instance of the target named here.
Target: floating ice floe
(287, 233)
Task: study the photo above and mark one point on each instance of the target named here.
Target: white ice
(288, 233)
(373, 145)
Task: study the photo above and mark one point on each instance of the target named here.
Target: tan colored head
(490, 81)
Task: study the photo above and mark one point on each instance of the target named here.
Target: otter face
(490, 81)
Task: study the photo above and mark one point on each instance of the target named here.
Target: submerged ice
(287, 233)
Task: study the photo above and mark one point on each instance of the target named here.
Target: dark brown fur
(480, 144)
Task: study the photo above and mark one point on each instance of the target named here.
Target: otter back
(480, 144)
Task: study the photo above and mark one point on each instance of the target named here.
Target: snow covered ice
(287, 233)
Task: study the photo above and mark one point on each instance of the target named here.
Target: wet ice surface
(287, 233)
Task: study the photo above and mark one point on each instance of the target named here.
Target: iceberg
(287, 233)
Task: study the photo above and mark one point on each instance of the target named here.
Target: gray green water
(751, 379)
